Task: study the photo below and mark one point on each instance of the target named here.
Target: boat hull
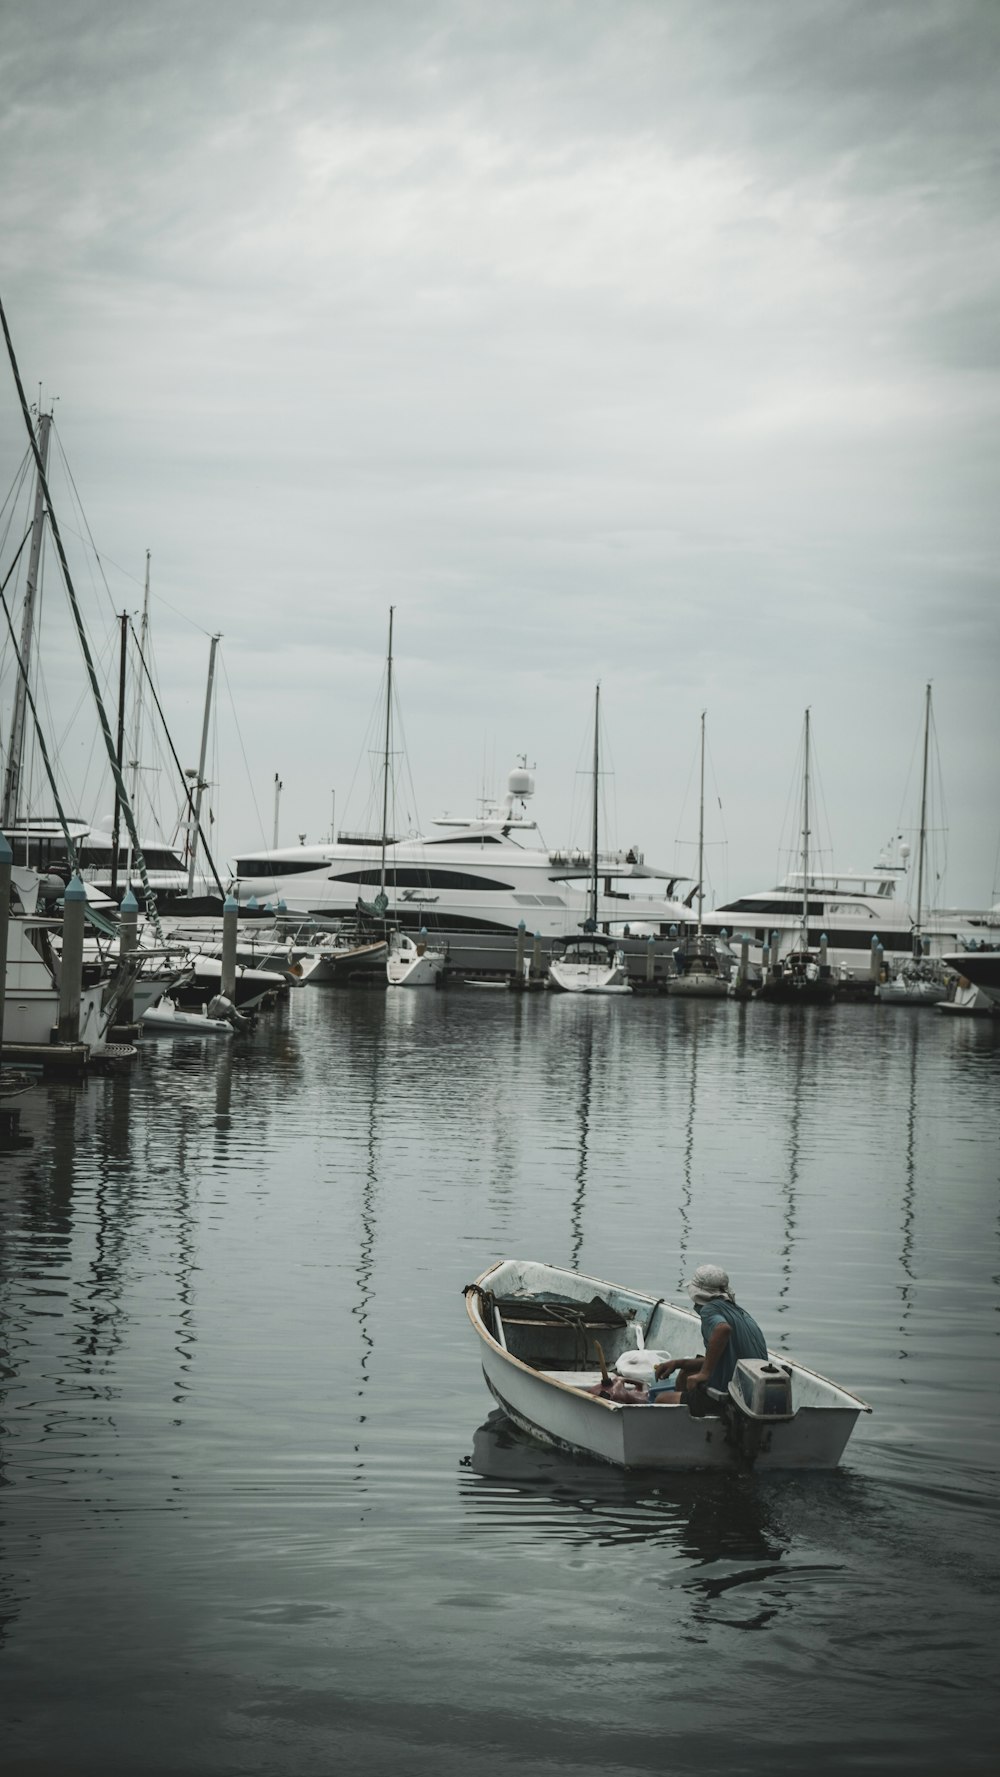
(413, 965)
(901, 993)
(698, 987)
(589, 965)
(166, 1019)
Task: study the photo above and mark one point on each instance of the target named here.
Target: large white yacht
(487, 873)
(855, 912)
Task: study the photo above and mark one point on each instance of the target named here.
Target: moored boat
(588, 964)
(413, 962)
(978, 969)
(919, 982)
(700, 969)
(801, 978)
(547, 1335)
(699, 972)
(165, 1018)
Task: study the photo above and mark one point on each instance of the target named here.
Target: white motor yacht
(855, 911)
(486, 873)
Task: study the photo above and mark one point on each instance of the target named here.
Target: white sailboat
(413, 962)
(700, 972)
(590, 962)
(800, 977)
(919, 980)
(410, 962)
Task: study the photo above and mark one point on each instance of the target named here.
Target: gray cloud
(656, 343)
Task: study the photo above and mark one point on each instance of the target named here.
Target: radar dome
(520, 783)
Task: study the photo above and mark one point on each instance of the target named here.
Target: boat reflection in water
(731, 1528)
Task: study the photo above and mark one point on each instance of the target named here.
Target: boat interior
(555, 1320)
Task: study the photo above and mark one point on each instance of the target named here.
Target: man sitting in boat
(729, 1332)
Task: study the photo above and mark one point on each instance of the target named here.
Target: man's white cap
(708, 1282)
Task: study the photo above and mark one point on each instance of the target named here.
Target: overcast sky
(654, 342)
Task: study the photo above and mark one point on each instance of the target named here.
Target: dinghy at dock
(164, 1018)
(548, 1336)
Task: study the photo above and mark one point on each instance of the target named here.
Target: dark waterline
(256, 1514)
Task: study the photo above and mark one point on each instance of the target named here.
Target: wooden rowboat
(547, 1334)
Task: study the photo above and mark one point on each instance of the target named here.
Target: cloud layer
(655, 344)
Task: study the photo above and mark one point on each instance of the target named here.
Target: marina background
(257, 1515)
(654, 345)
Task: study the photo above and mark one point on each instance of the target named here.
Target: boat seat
(574, 1378)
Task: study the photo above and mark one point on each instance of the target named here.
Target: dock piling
(71, 963)
(230, 919)
(6, 865)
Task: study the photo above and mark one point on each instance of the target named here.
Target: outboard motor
(222, 1008)
(760, 1396)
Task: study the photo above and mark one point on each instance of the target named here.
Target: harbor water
(257, 1513)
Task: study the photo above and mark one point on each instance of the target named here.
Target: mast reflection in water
(248, 1458)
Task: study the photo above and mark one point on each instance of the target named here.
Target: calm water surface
(256, 1514)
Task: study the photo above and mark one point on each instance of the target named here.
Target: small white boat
(919, 982)
(413, 962)
(544, 1331)
(589, 964)
(166, 1018)
(700, 974)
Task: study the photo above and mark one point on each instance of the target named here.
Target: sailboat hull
(698, 987)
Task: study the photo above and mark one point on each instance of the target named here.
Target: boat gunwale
(654, 1302)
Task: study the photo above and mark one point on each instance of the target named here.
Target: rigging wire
(140, 861)
(246, 762)
(70, 847)
(180, 770)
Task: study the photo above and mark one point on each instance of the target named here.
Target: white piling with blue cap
(230, 921)
(744, 972)
(650, 957)
(519, 956)
(6, 866)
(128, 925)
(71, 961)
(876, 958)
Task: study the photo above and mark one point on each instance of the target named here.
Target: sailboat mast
(805, 839)
(88, 658)
(12, 779)
(137, 712)
(923, 822)
(200, 782)
(701, 826)
(593, 837)
(385, 753)
(120, 748)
